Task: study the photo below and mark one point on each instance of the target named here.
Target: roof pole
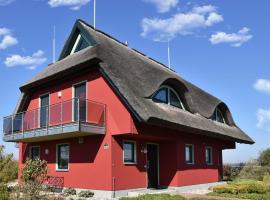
(169, 56)
(53, 44)
(94, 14)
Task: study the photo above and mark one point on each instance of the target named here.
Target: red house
(110, 119)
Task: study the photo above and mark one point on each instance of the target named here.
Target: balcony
(72, 118)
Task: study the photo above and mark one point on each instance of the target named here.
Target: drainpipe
(113, 178)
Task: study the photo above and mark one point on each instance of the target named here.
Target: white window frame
(56, 163)
(30, 151)
(75, 44)
(211, 155)
(215, 113)
(134, 153)
(169, 90)
(193, 154)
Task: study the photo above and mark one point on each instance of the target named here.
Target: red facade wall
(93, 167)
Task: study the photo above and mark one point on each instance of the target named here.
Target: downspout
(113, 164)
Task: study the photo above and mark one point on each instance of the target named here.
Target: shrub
(8, 167)
(257, 187)
(264, 158)
(252, 170)
(33, 174)
(4, 192)
(86, 194)
(155, 197)
(35, 170)
(230, 172)
(266, 179)
(69, 191)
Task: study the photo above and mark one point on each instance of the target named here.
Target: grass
(164, 197)
(252, 196)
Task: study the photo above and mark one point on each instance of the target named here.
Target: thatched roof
(135, 77)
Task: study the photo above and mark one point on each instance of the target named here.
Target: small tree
(33, 174)
(8, 166)
(264, 158)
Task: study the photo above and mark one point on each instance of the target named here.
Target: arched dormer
(218, 116)
(166, 94)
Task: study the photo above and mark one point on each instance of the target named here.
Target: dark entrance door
(80, 102)
(152, 165)
(44, 111)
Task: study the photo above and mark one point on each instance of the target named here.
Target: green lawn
(253, 196)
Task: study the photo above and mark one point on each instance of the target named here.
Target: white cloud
(235, 39)
(6, 39)
(4, 31)
(181, 23)
(163, 6)
(262, 85)
(73, 4)
(263, 119)
(30, 62)
(5, 2)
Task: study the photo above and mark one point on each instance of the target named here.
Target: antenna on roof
(53, 44)
(94, 14)
(169, 56)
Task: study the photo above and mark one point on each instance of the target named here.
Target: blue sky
(221, 46)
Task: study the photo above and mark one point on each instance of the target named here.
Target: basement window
(62, 157)
(189, 153)
(168, 95)
(209, 155)
(34, 152)
(129, 148)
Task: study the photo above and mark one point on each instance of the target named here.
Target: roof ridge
(122, 43)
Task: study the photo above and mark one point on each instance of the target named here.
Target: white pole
(94, 13)
(53, 44)
(169, 56)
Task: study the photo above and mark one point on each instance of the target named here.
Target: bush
(86, 194)
(252, 170)
(266, 179)
(155, 197)
(69, 191)
(8, 167)
(251, 187)
(4, 192)
(33, 174)
(35, 170)
(264, 158)
(230, 172)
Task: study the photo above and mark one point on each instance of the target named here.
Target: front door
(152, 165)
(80, 102)
(44, 111)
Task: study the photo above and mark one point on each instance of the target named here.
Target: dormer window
(169, 96)
(218, 116)
(80, 43)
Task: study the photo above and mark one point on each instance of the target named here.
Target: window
(218, 116)
(80, 43)
(34, 152)
(44, 110)
(129, 148)
(209, 155)
(79, 110)
(189, 153)
(169, 96)
(62, 155)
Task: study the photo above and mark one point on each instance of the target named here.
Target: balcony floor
(56, 132)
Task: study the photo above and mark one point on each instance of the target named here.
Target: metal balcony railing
(67, 112)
